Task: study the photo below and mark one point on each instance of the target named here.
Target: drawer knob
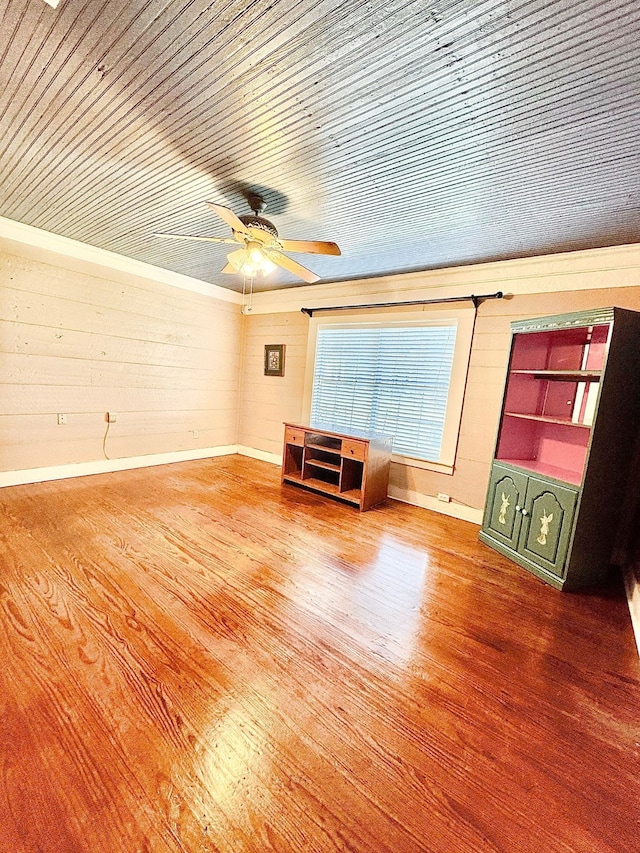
(351, 450)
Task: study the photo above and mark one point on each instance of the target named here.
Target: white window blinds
(388, 379)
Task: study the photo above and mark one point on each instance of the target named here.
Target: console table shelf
(352, 468)
(329, 466)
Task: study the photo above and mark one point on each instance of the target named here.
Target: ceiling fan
(262, 249)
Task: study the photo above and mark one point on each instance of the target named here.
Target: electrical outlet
(111, 417)
(195, 432)
(442, 497)
(62, 419)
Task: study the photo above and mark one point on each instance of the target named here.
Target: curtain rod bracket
(473, 298)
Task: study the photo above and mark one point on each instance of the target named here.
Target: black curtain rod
(475, 299)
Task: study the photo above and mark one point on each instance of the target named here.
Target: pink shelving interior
(556, 450)
(547, 411)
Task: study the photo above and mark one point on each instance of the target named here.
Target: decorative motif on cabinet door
(547, 517)
(504, 506)
(545, 521)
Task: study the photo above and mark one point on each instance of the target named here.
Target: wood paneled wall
(166, 360)
(170, 362)
(267, 402)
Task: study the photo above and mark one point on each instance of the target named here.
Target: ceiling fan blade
(313, 247)
(194, 237)
(293, 266)
(225, 213)
(229, 269)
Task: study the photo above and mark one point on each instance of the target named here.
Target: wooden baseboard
(106, 466)
(274, 458)
(451, 508)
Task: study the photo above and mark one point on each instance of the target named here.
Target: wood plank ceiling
(416, 135)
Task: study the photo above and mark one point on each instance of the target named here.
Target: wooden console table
(352, 468)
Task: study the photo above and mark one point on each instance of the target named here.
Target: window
(404, 378)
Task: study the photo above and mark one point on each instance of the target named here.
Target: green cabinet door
(546, 524)
(506, 495)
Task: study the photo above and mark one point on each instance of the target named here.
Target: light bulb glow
(255, 253)
(249, 269)
(267, 266)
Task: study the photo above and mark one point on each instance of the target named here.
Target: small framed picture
(274, 359)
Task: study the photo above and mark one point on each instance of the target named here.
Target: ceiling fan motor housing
(250, 220)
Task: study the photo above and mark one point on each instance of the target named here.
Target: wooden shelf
(323, 447)
(328, 466)
(547, 420)
(331, 489)
(359, 477)
(562, 375)
(353, 496)
(294, 477)
(563, 475)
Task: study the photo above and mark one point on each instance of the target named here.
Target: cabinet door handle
(518, 508)
(524, 512)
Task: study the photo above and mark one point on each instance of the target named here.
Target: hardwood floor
(196, 659)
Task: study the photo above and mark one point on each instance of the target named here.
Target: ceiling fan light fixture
(255, 261)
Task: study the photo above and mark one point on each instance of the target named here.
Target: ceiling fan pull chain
(247, 305)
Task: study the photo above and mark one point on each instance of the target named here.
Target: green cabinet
(530, 518)
(546, 526)
(502, 515)
(568, 425)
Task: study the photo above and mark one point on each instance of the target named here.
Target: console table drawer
(353, 449)
(294, 436)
